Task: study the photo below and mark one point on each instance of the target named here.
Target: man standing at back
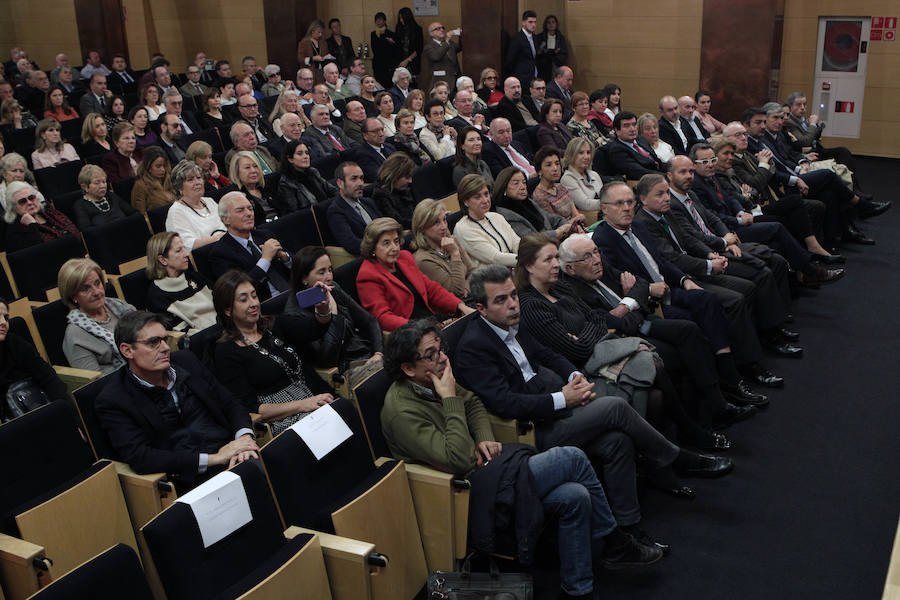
(441, 53)
(520, 56)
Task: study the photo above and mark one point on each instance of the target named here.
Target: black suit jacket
(640, 292)
(519, 61)
(496, 158)
(189, 118)
(509, 111)
(785, 158)
(688, 257)
(683, 216)
(485, 366)
(398, 97)
(115, 81)
(668, 134)
(369, 160)
(620, 253)
(132, 421)
(346, 224)
(228, 254)
(627, 161)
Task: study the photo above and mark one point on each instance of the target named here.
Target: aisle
(811, 508)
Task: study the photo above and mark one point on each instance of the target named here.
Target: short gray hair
(604, 191)
(11, 215)
(730, 126)
(182, 171)
(793, 97)
(772, 108)
(170, 93)
(487, 274)
(398, 72)
(566, 254)
(226, 201)
(462, 80)
(233, 134)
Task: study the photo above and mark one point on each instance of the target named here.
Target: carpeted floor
(811, 508)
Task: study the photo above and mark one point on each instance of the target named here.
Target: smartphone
(310, 296)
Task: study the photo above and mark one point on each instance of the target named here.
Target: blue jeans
(570, 490)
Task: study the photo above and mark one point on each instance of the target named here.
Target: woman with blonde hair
(310, 49)
(200, 153)
(648, 128)
(582, 183)
(441, 91)
(490, 90)
(94, 136)
(49, 148)
(246, 172)
(437, 253)
(414, 103)
(13, 167)
(177, 291)
(89, 341)
(153, 185)
(287, 102)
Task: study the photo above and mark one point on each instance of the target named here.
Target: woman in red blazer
(122, 161)
(391, 286)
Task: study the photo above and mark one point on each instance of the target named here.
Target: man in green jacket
(427, 418)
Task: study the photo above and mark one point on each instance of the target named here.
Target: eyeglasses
(434, 354)
(254, 105)
(595, 253)
(707, 161)
(437, 28)
(26, 199)
(491, 77)
(621, 203)
(154, 342)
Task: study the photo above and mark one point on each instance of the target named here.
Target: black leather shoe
(786, 349)
(787, 334)
(816, 275)
(742, 395)
(638, 533)
(712, 441)
(692, 464)
(866, 210)
(732, 414)
(633, 554)
(829, 259)
(756, 372)
(852, 235)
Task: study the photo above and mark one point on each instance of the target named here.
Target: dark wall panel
(101, 28)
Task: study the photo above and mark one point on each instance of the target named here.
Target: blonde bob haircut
(374, 230)
(72, 275)
(426, 214)
(234, 167)
(158, 245)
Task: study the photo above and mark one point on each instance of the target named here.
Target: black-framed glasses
(26, 199)
(434, 354)
(154, 342)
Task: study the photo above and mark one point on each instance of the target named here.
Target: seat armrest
(442, 510)
(145, 495)
(334, 379)
(76, 378)
(24, 568)
(174, 339)
(351, 564)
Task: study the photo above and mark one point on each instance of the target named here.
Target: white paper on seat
(323, 430)
(220, 506)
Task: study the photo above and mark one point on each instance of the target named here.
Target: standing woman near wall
(311, 50)
(385, 51)
(551, 47)
(410, 40)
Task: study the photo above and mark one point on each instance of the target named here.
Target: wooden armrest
(145, 495)
(350, 563)
(262, 431)
(335, 380)
(339, 256)
(512, 430)
(590, 217)
(442, 510)
(174, 339)
(76, 378)
(24, 568)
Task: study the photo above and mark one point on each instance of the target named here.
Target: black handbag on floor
(465, 585)
(21, 397)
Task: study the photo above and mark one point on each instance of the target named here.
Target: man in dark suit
(248, 107)
(673, 129)
(440, 52)
(372, 153)
(323, 138)
(561, 86)
(501, 150)
(168, 414)
(630, 247)
(174, 102)
(466, 117)
(354, 116)
(682, 343)
(32, 92)
(519, 110)
(350, 213)
(193, 87)
(629, 155)
(248, 249)
(516, 377)
(728, 274)
(687, 110)
(291, 129)
(171, 138)
(121, 77)
(97, 97)
(400, 89)
(521, 53)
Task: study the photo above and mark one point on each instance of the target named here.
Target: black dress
(88, 214)
(299, 189)
(397, 204)
(384, 56)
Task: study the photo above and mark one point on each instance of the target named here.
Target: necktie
(639, 150)
(127, 77)
(612, 300)
(184, 126)
(649, 264)
(334, 142)
(102, 101)
(665, 224)
(520, 161)
(362, 213)
(696, 216)
(255, 252)
(265, 166)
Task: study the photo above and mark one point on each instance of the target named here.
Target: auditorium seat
(157, 218)
(56, 181)
(346, 493)
(34, 270)
(111, 575)
(256, 559)
(115, 243)
(295, 230)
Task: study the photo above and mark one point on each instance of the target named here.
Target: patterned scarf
(116, 308)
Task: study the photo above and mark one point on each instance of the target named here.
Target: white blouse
(490, 241)
(192, 224)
